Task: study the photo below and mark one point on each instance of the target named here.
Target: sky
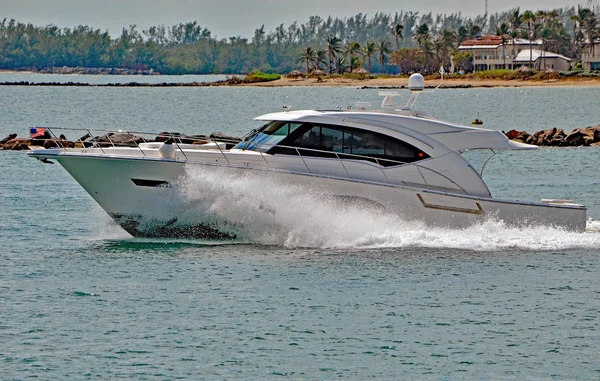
(226, 18)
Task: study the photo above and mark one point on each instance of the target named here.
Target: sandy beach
(380, 82)
(447, 83)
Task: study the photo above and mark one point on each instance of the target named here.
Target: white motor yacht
(393, 159)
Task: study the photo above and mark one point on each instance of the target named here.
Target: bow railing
(185, 144)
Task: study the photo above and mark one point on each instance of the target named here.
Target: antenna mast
(486, 7)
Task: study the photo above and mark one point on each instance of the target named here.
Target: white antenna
(390, 98)
(416, 84)
(486, 7)
(441, 78)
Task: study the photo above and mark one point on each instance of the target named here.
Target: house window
(594, 65)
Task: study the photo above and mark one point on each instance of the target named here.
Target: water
(328, 294)
(94, 79)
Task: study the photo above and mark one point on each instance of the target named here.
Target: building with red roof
(490, 54)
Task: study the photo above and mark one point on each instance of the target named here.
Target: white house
(591, 61)
(489, 53)
(541, 59)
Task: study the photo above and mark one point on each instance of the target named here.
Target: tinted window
(313, 139)
(268, 137)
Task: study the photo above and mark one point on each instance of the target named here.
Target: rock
(524, 137)
(119, 139)
(180, 138)
(58, 143)
(540, 136)
(17, 144)
(194, 139)
(579, 137)
(222, 136)
(594, 131)
(6, 139)
(557, 139)
(163, 136)
(230, 141)
(512, 134)
(552, 137)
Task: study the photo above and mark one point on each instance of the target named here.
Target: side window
(310, 139)
(332, 139)
(395, 148)
(366, 143)
(326, 141)
(282, 129)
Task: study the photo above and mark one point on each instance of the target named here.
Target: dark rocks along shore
(554, 137)
(14, 143)
(557, 137)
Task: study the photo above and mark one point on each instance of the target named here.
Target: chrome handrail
(368, 158)
(347, 156)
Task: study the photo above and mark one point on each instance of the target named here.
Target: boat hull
(151, 198)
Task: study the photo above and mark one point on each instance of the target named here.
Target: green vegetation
(501, 74)
(257, 76)
(389, 44)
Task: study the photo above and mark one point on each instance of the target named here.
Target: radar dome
(416, 82)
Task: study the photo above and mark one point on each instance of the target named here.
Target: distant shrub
(504, 74)
(354, 76)
(580, 74)
(257, 76)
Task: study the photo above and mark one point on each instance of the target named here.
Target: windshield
(268, 136)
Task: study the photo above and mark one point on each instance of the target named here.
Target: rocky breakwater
(121, 139)
(557, 137)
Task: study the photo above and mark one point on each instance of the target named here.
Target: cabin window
(320, 140)
(266, 139)
(281, 128)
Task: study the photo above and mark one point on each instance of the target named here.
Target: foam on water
(263, 209)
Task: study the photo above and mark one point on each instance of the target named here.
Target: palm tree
(529, 18)
(351, 48)
(591, 27)
(369, 51)
(462, 33)
(340, 65)
(421, 33)
(427, 47)
(473, 30)
(320, 58)
(503, 31)
(447, 40)
(354, 62)
(307, 55)
(576, 26)
(398, 32)
(333, 49)
(383, 47)
(515, 19)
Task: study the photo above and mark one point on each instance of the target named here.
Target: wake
(258, 207)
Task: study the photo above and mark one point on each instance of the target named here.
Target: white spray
(265, 210)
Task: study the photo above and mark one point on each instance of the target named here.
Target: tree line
(382, 43)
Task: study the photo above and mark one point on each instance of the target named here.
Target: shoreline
(402, 82)
(375, 83)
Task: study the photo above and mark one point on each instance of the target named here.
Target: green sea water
(80, 299)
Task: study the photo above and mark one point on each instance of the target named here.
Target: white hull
(142, 195)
